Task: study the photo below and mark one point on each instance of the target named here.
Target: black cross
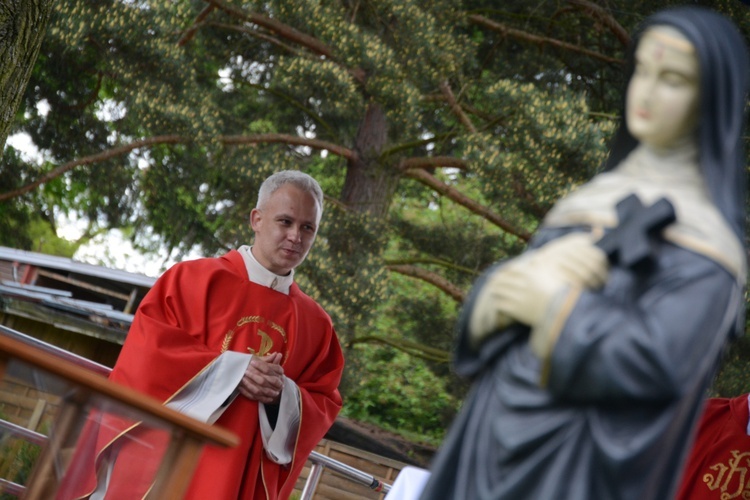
(629, 244)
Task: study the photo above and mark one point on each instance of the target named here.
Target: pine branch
(95, 158)
(429, 277)
(433, 162)
(295, 140)
(190, 32)
(255, 34)
(283, 30)
(540, 40)
(431, 260)
(309, 112)
(456, 108)
(450, 192)
(230, 140)
(602, 16)
(417, 144)
(409, 347)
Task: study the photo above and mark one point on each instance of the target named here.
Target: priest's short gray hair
(296, 178)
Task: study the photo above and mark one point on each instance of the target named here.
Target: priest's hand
(523, 289)
(263, 379)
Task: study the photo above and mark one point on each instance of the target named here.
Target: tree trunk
(369, 186)
(23, 24)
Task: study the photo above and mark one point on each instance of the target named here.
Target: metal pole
(62, 353)
(23, 432)
(355, 475)
(11, 488)
(312, 481)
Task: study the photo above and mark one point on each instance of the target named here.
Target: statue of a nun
(591, 352)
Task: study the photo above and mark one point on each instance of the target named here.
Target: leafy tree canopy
(441, 131)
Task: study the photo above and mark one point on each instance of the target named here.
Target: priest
(232, 341)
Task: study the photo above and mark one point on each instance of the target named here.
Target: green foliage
(14, 214)
(439, 141)
(26, 225)
(733, 378)
(400, 394)
(17, 458)
(47, 241)
(549, 145)
(348, 283)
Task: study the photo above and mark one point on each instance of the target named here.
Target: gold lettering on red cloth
(732, 478)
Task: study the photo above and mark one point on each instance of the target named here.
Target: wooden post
(43, 480)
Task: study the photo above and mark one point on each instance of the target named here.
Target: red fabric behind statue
(719, 464)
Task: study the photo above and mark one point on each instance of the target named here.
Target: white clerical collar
(262, 276)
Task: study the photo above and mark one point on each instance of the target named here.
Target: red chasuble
(719, 464)
(195, 311)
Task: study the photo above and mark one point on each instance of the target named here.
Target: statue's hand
(523, 289)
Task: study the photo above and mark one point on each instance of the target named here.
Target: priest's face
(663, 93)
(285, 228)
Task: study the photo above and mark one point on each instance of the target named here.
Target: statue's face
(663, 93)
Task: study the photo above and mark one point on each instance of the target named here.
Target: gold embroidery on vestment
(227, 341)
(250, 319)
(727, 472)
(266, 344)
(266, 341)
(278, 328)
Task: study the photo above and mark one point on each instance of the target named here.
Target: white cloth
(409, 484)
(262, 276)
(211, 392)
(279, 441)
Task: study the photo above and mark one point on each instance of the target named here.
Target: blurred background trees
(23, 26)
(441, 131)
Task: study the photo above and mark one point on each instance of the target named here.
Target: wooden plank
(82, 284)
(37, 414)
(24, 402)
(341, 491)
(372, 457)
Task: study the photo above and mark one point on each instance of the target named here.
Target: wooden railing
(90, 378)
(186, 435)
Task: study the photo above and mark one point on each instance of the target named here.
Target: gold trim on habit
(556, 328)
(671, 41)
